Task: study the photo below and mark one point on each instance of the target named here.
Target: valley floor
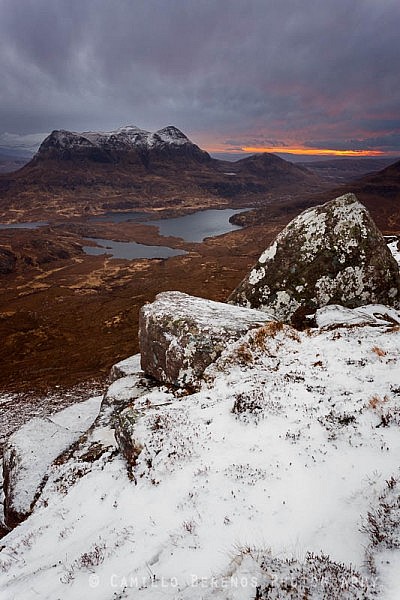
(66, 321)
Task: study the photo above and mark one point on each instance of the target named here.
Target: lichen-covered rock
(330, 254)
(180, 335)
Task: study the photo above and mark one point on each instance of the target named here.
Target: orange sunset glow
(313, 151)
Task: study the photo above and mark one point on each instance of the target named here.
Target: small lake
(32, 225)
(129, 250)
(192, 228)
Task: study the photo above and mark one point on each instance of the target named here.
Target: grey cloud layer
(309, 68)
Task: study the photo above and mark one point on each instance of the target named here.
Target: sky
(299, 77)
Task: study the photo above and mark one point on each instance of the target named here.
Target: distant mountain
(380, 193)
(272, 166)
(91, 172)
(343, 170)
(10, 163)
(125, 145)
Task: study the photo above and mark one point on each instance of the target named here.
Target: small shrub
(243, 354)
(382, 523)
(316, 578)
(376, 401)
(248, 402)
(378, 351)
(189, 526)
(263, 333)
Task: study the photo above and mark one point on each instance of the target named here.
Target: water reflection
(191, 228)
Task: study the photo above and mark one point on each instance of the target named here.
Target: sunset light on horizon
(313, 151)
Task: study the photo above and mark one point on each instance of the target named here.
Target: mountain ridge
(78, 174)
(111, 146)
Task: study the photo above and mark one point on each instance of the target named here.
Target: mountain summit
(117, 145)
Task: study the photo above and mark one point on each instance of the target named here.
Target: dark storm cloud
(248, 69)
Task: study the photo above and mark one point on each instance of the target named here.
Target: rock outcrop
(248, 452)
(330, 254)
(27, 455)
(180, 335)
(126, 367)
(31, 450)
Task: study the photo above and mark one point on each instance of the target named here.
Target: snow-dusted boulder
(130, 423)
(330, 254)
(31, 450)
(180, 335)
(126, 367)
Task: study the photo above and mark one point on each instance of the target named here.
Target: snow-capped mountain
(111, 146)
(92, 172)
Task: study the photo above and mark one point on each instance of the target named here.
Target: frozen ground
(292, 446)
(16, 409)
(289, 454)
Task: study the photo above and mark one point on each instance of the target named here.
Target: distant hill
(12, 161)
(380, 193)
(343, 170)
(87, 173)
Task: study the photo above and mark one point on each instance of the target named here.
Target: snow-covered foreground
(292, 441)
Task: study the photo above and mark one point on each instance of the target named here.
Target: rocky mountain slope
(263, 467)
(75, 174)
(274, 478)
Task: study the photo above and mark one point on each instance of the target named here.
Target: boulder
(121, 393)
(330, 254)
(180, 335)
